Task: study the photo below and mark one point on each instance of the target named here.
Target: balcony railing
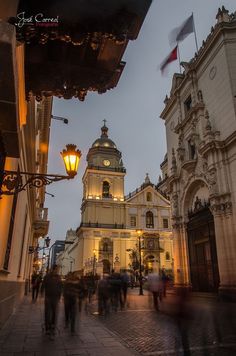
(101, 225)
(113, 169)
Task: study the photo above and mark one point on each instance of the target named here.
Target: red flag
(170, 58)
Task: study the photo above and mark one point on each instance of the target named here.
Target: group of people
(111, 292)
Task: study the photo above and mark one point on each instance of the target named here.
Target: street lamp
(94, 260)
(139, 233)
(12, 181)
(60, 118)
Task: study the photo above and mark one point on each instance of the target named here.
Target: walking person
(155, 287)
(71, 295)
(124, 287)
(34, 286)
(52, 287)
(115, 289)
(103, 295)
(165, 280)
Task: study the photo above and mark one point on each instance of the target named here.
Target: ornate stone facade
(110, 220)
(200, 124)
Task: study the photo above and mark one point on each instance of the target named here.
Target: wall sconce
(12, 181)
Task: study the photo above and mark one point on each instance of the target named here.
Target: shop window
(149, 219)
(106, 189)
(149, 196)
(133, 221)
(165, 223)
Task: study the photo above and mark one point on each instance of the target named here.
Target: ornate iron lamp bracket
(14, 183)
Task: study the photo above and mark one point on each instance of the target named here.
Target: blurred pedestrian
(83, 293)
(71, 294)
(52, 287)
(165, 280)
(155, 286)
(34, 286)
(115, 289)
(124, 287)
(103, 295)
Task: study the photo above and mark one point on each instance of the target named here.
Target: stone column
(181, 273)
(226, 248)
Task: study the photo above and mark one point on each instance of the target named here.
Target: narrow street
(203, 324)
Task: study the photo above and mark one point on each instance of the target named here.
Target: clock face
(106, 162)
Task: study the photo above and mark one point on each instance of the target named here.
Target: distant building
(200, 119)
(64, 259)
(58, 246)
(107, 236)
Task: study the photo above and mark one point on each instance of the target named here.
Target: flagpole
(179, 58)
(195, 35)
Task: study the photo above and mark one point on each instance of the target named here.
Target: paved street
(23, 336)
(203, 324)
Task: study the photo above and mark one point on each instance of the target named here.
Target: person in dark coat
(35, 284)
(115, 289)
(52, 287)
(103, 295)
(71, 294)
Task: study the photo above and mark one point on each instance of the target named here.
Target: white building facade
(200, 119)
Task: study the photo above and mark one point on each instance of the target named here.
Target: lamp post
(12, 181)
(139, 233)
(94, 260)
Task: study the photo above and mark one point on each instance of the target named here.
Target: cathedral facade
(108, 234)
(199, 169)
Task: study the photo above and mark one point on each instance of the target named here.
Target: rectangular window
(165, 223)
(133, 221)
(188, 104)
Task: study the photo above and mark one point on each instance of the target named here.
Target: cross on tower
(104, 122)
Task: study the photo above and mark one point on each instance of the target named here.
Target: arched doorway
(150, 264)
(204, 273)
(106, 266)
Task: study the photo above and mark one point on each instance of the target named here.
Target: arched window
(149, 196)
(149, 219)
(168, 256)
(105, 189)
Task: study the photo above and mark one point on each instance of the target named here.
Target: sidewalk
(23, 335)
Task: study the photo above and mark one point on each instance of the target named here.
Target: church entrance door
(202, 251)
(106, 266)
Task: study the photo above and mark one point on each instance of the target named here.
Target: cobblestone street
(202, 326)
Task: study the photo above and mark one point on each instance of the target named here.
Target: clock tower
(103, 183)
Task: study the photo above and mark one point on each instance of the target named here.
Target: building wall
(201, 145)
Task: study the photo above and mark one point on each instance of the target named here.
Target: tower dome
(104, 154)
(104, 141)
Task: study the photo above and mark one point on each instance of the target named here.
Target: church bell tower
(103, 183)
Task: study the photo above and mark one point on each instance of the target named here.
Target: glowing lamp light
(90, 197)
(97, 197)
(115, 199)
(121, 199)
(71, 158)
